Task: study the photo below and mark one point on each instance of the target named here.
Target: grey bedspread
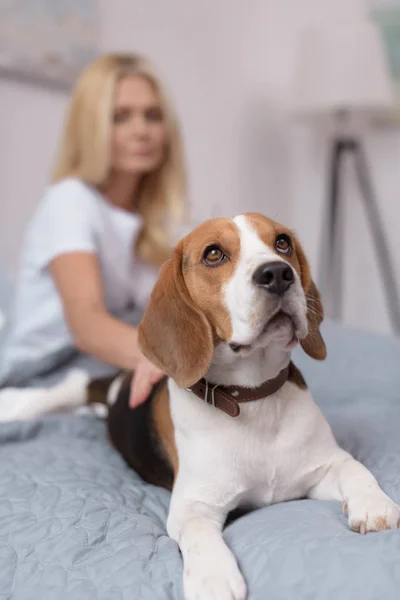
(76, 523)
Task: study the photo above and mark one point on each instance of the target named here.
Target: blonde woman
(103, 228)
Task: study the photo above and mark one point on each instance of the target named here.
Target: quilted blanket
(76, 523)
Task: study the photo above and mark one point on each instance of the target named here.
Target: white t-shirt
(71, 217)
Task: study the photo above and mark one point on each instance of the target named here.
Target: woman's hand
(146, 375)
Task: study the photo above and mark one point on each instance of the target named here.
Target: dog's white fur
(279, 448)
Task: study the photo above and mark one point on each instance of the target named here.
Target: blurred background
(231, 67)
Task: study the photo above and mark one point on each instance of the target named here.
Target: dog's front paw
(206, 579)
(373, 512)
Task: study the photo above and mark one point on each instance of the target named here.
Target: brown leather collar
(227, 397)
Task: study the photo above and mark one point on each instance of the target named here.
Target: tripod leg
(379, 238)
(328, 278)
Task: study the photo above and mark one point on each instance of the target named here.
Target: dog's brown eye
(283, 244)
(213, 256)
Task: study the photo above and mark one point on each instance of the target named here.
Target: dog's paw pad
(373, 513)
(214, 584)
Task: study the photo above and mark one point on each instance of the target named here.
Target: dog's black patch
(133, 434)
(236, 514)
(185, 263)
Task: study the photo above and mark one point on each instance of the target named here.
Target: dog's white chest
(265, 455)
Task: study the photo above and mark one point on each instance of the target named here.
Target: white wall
(229, 68)
(30, 121)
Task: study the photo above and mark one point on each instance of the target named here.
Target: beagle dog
(233, 425)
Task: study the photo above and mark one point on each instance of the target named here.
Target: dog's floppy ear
(174, 334)
(313, 344)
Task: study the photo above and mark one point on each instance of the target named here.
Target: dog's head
(237, 284)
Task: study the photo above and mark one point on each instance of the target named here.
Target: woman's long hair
(85, 150)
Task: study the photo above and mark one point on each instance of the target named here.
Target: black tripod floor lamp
(331, 269)
(342, 78)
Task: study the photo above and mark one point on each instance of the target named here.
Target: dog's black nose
(276, 277)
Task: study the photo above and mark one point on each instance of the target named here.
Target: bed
(76, 523)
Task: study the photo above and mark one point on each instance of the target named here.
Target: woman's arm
(78, 280)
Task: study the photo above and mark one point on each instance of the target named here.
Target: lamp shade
(341, 66)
